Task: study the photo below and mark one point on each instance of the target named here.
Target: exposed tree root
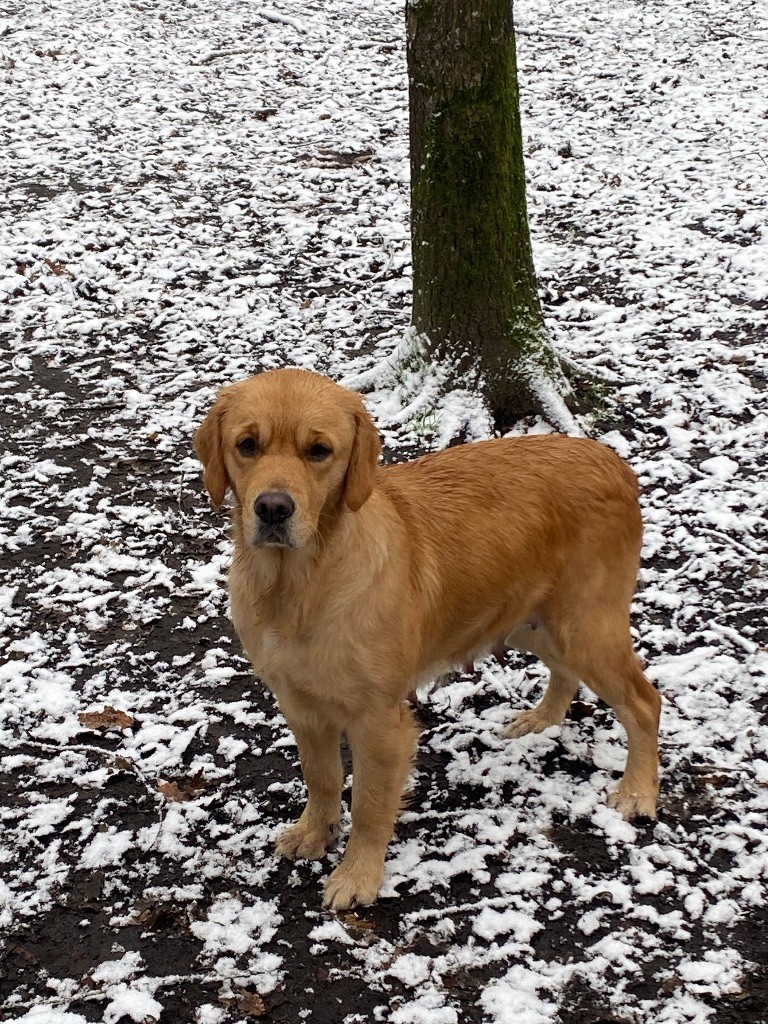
(425, 389)
(554, 407)
(575, 371)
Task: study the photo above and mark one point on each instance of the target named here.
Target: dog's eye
(318, 452)
(248, 447)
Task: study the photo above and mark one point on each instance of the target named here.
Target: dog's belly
(470, 633)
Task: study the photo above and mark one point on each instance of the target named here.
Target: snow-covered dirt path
(195, 192)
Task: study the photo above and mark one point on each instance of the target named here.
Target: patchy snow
(410, 968)
(231, 927)
(516, 1001)
(131, 1002)
(193, 194)
(106, 848)
(113, 971)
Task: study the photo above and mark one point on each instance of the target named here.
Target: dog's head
(292, 445)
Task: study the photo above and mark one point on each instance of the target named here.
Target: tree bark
(476, 307)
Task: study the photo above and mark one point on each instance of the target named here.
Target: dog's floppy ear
(363, 460)
(207, 445)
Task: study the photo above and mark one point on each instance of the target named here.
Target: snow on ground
(197, 192)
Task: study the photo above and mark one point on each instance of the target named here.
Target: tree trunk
(475, 302)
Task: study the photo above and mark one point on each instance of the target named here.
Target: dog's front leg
(382, 750)
(320, 753)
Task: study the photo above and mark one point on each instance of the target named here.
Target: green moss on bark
(475, 293)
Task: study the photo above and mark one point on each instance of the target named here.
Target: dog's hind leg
(561, 689)
(618, 680)
(596, 646)
(550, 710)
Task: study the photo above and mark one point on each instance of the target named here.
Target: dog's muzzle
(273, 518)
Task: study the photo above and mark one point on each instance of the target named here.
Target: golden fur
(385, 577)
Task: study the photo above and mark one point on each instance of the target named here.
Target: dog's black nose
(273, 507)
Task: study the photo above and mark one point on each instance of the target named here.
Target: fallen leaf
(161, 915)
(22, 952)
(172, 791)
(86, 892)
(58, 268)
(184, 789)
(109, 718)
(250, 1003)
(716, 781)
(353, 921)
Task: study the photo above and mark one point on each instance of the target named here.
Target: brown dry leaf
(161, 915)
(172, 791)
(250, 1004)
(454, 979)
(109, 718)
(353, 921)
(183, 790)
(87, 892)
(21, 951)
(672, 984)
(716, 781)
(58, 269)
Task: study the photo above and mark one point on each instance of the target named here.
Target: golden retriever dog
(353, 583)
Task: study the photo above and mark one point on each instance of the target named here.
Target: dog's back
(497, 528)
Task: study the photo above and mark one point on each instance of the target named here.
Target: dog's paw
(633, 802)
(528, 722)
(356, 885)
(302, 842)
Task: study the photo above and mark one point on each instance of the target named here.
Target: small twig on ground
(730, 540)
(88, 994)
(87, 748)
(234, 51)
(460, 908)
(732, 634)
(280, 19)
(548, 35)
(227, 52)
